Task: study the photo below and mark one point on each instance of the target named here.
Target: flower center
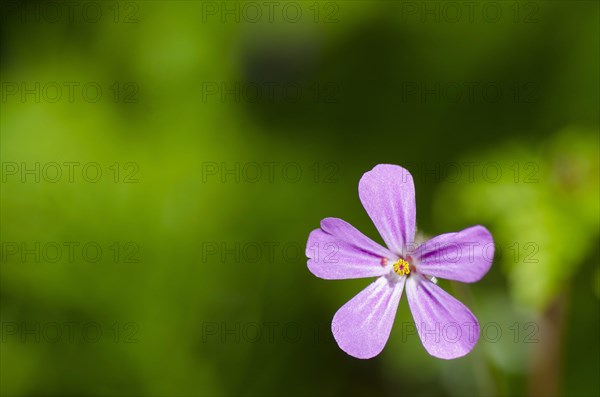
(402, 267)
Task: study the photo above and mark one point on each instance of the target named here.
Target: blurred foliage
(543, 205)
(172, 294)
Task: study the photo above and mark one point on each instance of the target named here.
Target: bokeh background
(225, 131)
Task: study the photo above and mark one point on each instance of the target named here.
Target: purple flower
(337, 251)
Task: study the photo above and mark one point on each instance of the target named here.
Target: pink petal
(362, 326)
(388, 194)
(446, 327)
(338, 251)
(463, 256)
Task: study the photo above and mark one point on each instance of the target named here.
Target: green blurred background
(225, 131)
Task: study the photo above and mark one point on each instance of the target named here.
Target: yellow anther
(402, 267)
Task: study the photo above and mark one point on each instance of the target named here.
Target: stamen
(402, 267)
